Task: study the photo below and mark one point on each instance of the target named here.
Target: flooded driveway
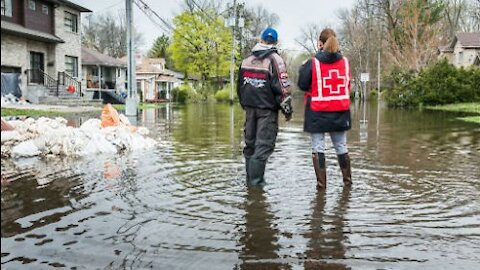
(415, 201)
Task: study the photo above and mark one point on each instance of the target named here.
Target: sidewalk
(53, 108)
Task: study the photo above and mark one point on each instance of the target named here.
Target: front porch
(100, 77)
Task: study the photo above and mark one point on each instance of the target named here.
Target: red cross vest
(330, 86)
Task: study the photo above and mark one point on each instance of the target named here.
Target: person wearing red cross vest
(326, 81)
(263, 90)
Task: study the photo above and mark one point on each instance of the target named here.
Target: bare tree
(257, 18)
(454, 11)
(470, 22)
(309, 37)
(107, 33)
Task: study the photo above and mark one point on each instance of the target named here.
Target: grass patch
(471, 119)
(141, 105)
(29, 112)
(470, 108)
(473, 107)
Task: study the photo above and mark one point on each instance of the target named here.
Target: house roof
(150, 65)
(145, 77)
(467, 40)
(19, 30)
(155, 60)
(166, 78)
(70, 4)
(181, 76)
(92, 57)
(146, 67)
(445, 49)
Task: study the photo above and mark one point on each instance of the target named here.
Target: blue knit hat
(270, 35)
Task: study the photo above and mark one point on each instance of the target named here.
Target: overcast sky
(293, 15)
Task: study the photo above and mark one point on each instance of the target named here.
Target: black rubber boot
(256, 170)
(344, 162)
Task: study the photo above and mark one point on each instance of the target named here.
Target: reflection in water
(259, 242)
(36, 189)
(185, 205)
(326, 238)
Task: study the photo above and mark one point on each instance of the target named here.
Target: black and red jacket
(263, 79)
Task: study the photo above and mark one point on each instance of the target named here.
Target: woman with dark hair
(326, 81)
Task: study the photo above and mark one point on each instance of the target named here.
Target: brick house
(41, 41)
(463, 51)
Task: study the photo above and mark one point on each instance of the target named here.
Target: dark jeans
(261, 127)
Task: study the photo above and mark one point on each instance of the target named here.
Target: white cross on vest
(334, 78)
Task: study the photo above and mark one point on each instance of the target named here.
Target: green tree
(201, 44)
(160, 50)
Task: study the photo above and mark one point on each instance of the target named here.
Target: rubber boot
(344, 162)
(320, 169)
(256, 170)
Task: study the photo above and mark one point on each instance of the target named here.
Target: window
(71, 21)
(45, 9)
(7, 8)
(71, 65)
(460, 58)
(32, 5)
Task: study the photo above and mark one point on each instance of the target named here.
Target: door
(36, 67)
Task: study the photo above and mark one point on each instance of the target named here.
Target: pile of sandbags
(47, 136)
(11, 99)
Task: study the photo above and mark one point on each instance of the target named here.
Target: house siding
(14, 54)
(467, 58)
(37, 20)
(73, 40)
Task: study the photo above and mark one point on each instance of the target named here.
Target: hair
(329, 40)
(268, 42)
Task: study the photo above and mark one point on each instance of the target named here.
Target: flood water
(414, 204)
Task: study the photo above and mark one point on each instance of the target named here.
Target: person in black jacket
(326, 80)
(262, 88)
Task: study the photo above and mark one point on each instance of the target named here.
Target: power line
(109, 7)
(167, 27)
(151, 13)
(203, 11)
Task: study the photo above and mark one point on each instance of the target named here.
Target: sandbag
(110, 116)
(25, 149)
(6, 126)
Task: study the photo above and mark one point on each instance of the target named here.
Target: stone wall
(14, 54)
(73, 40)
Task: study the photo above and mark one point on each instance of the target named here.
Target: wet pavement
(184, 205)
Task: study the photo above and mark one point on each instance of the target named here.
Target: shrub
(439, 84)
(185, 93)
(402, 93)
(224, 94)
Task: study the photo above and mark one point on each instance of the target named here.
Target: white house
(463, 51)
(154, 81)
